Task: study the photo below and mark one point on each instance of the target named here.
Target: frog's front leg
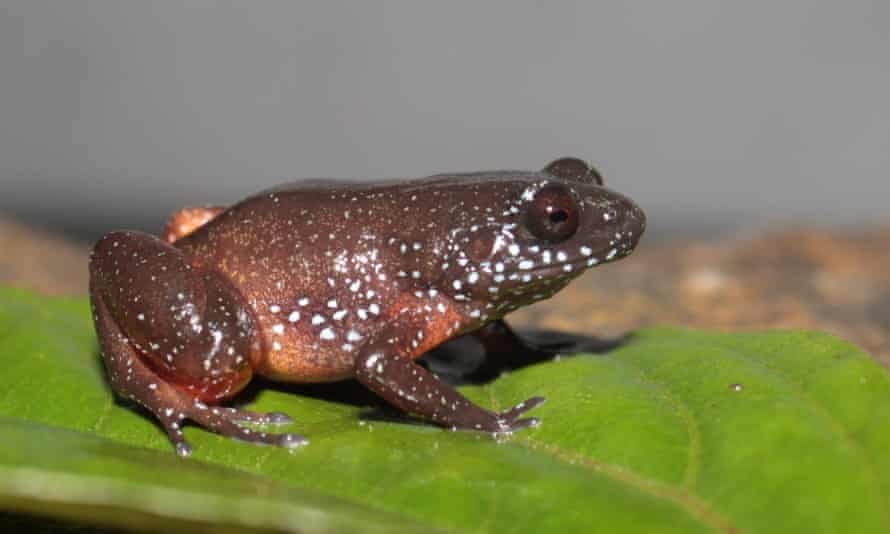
(386, 368)
(174, 338)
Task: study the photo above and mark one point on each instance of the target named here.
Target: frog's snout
(634, 223)
(622, 224)
(631, 223)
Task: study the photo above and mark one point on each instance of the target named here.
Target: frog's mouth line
(552, 271)
(579, 264)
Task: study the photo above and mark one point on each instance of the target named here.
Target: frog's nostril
(634, 221)
(640, 217)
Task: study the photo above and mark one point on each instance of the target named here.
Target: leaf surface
(675, 431)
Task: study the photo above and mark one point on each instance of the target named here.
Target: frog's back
(292, 214)
(326, 263)
(289, 243)
(321, 261)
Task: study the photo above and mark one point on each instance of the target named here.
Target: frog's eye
(574, 169)
(552, 214)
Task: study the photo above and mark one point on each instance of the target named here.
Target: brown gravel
(837, 281)
(40, 260)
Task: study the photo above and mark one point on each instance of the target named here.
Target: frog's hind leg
(174, 339)
(133, 379)
(187, 220)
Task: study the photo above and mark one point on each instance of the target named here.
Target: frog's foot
(502, 423)
(172, 407)
(509, 421)
(228, 422)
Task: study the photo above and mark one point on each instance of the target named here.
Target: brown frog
(320, 281)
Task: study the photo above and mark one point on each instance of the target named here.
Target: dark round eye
(552, 214)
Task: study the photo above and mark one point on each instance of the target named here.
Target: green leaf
(676, 431)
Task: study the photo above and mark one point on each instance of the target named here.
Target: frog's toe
(230, 423)
(291, 441)
(278, 418)
(527, 422)
(285, 440)
(521, 408)
(259, 418)
(183, 449)
(508, 421)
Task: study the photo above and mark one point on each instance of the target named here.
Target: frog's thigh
(151, 293)
(187, 220)
(158, 345)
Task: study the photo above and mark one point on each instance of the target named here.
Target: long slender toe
(278, 418)
(291, 441)
(522, 408)
(259, 418)
(229, 422)
(528, 422)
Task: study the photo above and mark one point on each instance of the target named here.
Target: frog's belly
(292, 355)
(302, 343)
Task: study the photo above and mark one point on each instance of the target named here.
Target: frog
(324, 280)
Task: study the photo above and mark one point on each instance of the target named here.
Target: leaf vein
(693, 462)
(692, 504)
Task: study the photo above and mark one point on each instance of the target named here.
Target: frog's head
(529, 233)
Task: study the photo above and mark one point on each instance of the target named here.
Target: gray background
(711, 113)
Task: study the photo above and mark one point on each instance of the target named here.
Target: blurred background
(755, 135)
(714, 115)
